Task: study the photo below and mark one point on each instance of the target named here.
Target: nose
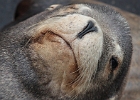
(89, 28)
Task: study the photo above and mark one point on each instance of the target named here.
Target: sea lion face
(79, 51)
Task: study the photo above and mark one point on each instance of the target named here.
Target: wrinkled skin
(80, 52)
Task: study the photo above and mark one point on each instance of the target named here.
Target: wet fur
(29, 81)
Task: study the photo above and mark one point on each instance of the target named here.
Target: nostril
(89, 28)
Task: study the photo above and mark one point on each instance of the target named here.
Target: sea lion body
(79, 51)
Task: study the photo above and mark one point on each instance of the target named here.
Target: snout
(72, 45)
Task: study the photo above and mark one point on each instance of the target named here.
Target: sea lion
(79, 51)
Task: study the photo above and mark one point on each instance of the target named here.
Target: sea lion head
(78, 51)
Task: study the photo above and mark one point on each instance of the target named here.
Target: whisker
(76, 71)
(28, 42)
